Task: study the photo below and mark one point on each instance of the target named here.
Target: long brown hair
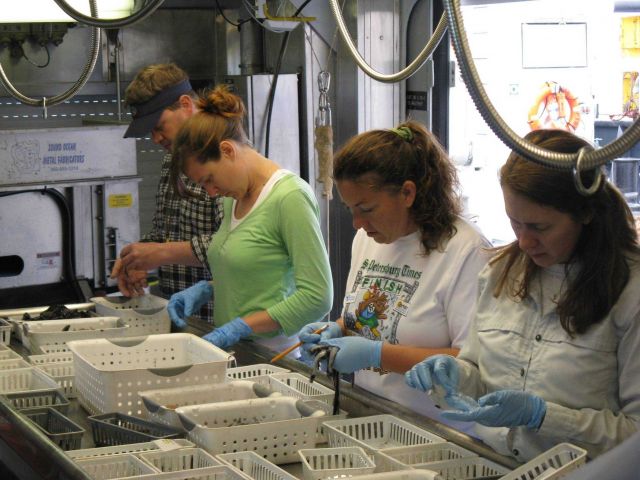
(220, 117)
(408, 152)
(602, 253)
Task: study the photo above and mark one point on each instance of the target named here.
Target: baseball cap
(146, 115)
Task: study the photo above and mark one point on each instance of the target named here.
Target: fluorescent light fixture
(47, 11)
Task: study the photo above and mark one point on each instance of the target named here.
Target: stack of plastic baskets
(275, 427)
(146, 315)
(111, 372)
(161, 404)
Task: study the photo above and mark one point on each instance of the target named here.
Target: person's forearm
(261, 322)
(400, 358)
(180, 253)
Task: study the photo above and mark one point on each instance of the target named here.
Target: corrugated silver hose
(84, 76)
(589, 160)
(409, 70)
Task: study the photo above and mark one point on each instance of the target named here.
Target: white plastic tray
(12, 364)
(402, 475)
(35, 334)
(48, 358)
(111, 372)
(376, 432)
(274, 427)
(417, 456)
(466, 468)
(553, 464)
(321, 463)
(299, 386)
(26, 380)
(254, 466)
(167, 444)
(115, 467)
(193, 459)
(251, 371)
(146, 315)
(161, 404)
(63, 374)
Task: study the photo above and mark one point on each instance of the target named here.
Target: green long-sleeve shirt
(274, 260)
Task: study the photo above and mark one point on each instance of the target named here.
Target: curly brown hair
(408, 152)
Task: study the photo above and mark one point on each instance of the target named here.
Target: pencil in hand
(286, 352)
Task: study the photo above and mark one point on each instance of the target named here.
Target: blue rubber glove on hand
(311, 339)
(229, 334)
(187, 302)
(504, 408)
(437, 370)
(355, 353)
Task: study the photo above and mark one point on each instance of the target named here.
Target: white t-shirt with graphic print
(396, 294)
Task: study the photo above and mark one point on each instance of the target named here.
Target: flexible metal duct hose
(84, 76)
(409, 70)
(141, 14)
(557, 160)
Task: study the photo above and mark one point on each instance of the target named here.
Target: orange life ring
(555, 107)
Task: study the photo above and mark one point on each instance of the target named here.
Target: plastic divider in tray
(36, 334)
(251, 371)
(161, 404)
(38, 399)
(417, 456)
(553, 464)
(276, 427)
(25, 380)
(193, 459)
(117, 429)
(163, 444)
(321, 463)
(111, 372)
(376, 432)
(254, 466)
(61, 430)
(146, 315)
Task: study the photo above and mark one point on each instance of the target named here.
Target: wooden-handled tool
(286, 352)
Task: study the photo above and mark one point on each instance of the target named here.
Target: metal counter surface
(29, 454)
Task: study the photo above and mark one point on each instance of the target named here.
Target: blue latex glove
(437, 370)
(311, 339)
(229, 334)
(187, 302)
(504, 408)
(355, 353)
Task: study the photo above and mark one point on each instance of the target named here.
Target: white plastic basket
(251, 371)
(275, 428)
(376, 432)
(50, 349)
(26, 380)
(161, 404)
(418, 455)
(299, 386)
(61, 357)
(146, 315)
(192, 459)
(164, 444)
(115, 467)
(553, 464)
(63, 374)
(402, 475)
(466, 468)
(221, 472)
(254, 466)
(321, 463)
(5, 331)
(58, 332)
(111, 372)
(13, 363)
(8, 354)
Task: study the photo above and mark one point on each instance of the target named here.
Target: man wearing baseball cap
(161, 100)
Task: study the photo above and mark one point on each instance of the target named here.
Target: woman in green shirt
(271, 273)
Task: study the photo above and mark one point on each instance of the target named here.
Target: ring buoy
(555, 107)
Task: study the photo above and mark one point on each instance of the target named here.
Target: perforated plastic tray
(63, 374)
(192, 459)
(36, 334)
(321, 463)
(62, 357)
(221, 472)
(5, 331)
(61, 430)
(161, 404)
(402, 475)
(467, 468)
(7, 354)
(146, 315)
(38, 399)
(26, 380)
(299, 386)
(13, 363)
(376, 432)
(254, 466)
(553, 464)
(276, 427)
(166, 444)
(418, 455)
(115, 467)
(111, 372)
(251, 371)
(119, 429)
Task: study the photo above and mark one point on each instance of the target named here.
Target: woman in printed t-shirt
(414, 266)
